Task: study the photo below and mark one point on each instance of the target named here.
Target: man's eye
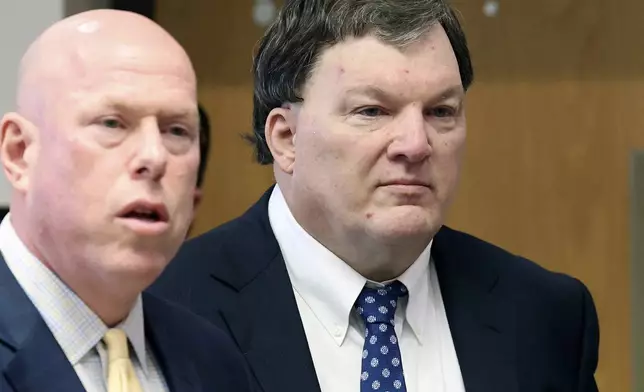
(371, 111)
(111, 123)
(443, 111)
(179, 131)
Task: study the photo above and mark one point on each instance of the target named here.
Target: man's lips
(145, 217)
(145, 210)
(406, 182)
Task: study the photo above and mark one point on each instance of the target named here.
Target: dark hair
(288, 51)
(204, 144)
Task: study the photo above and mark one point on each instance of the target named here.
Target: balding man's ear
(17, 135)
(280, 136)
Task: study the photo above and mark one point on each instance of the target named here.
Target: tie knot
(378, 305)
(116, 342)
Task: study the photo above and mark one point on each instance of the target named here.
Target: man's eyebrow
(455, 91)
(371, 91)
(185, 113)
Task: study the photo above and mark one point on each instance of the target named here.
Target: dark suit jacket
(515, 326)
(192, 354)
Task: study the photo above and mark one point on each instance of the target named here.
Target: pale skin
(369, 161)
(102, 153)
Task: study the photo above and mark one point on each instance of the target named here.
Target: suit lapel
(265, 324)
(165, 337)
(38, 362)
(264, 319)
(481, 320)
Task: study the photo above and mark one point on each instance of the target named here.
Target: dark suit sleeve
(589, 344)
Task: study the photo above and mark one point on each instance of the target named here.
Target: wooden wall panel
(553, 116)
(547, 177)
(220, 36)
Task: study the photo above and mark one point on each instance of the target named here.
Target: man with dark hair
(343, 274)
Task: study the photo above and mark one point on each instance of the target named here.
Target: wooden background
(555, 111)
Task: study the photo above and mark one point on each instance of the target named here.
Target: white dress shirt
(76, 328)
(326, 289)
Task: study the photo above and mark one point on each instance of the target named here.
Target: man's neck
(111, 302)
(376, 261)
(110, 298)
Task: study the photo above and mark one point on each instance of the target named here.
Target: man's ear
(198, 195)
(280, 136)
(17, 149)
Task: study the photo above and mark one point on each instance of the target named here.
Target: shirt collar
(134, 328)
(416, 278)
(76, 328)
(327, 284)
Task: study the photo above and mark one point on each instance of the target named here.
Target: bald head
(89, 42)
(103, 153)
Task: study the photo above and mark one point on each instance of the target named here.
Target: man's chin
(139, 263)
(404, 223)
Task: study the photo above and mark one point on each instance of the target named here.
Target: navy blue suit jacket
(193, 355)
(516, 326)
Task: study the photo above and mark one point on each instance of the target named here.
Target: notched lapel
(485, 343)
(166, 340)
(40, 365)
(261, 312)
(482, 322)
(266, 325)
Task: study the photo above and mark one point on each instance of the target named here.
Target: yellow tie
(121, 376)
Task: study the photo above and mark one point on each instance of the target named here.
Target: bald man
(102, 153)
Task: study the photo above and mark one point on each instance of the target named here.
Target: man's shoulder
(250, 228)
(517, 272)
(204, 340)
(188, 277)
(213, 238)
(174, 317)
(213, 355)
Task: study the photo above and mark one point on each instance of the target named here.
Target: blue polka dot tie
(381, 362)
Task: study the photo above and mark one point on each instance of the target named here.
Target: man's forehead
(381, 81)
(123, 58)
(368, 58)
(94, 85)
(138, 101)
(125, 74)
(71, 64)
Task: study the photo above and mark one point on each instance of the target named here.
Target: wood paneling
(220, 37)
(553, 116)
(546, 176)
